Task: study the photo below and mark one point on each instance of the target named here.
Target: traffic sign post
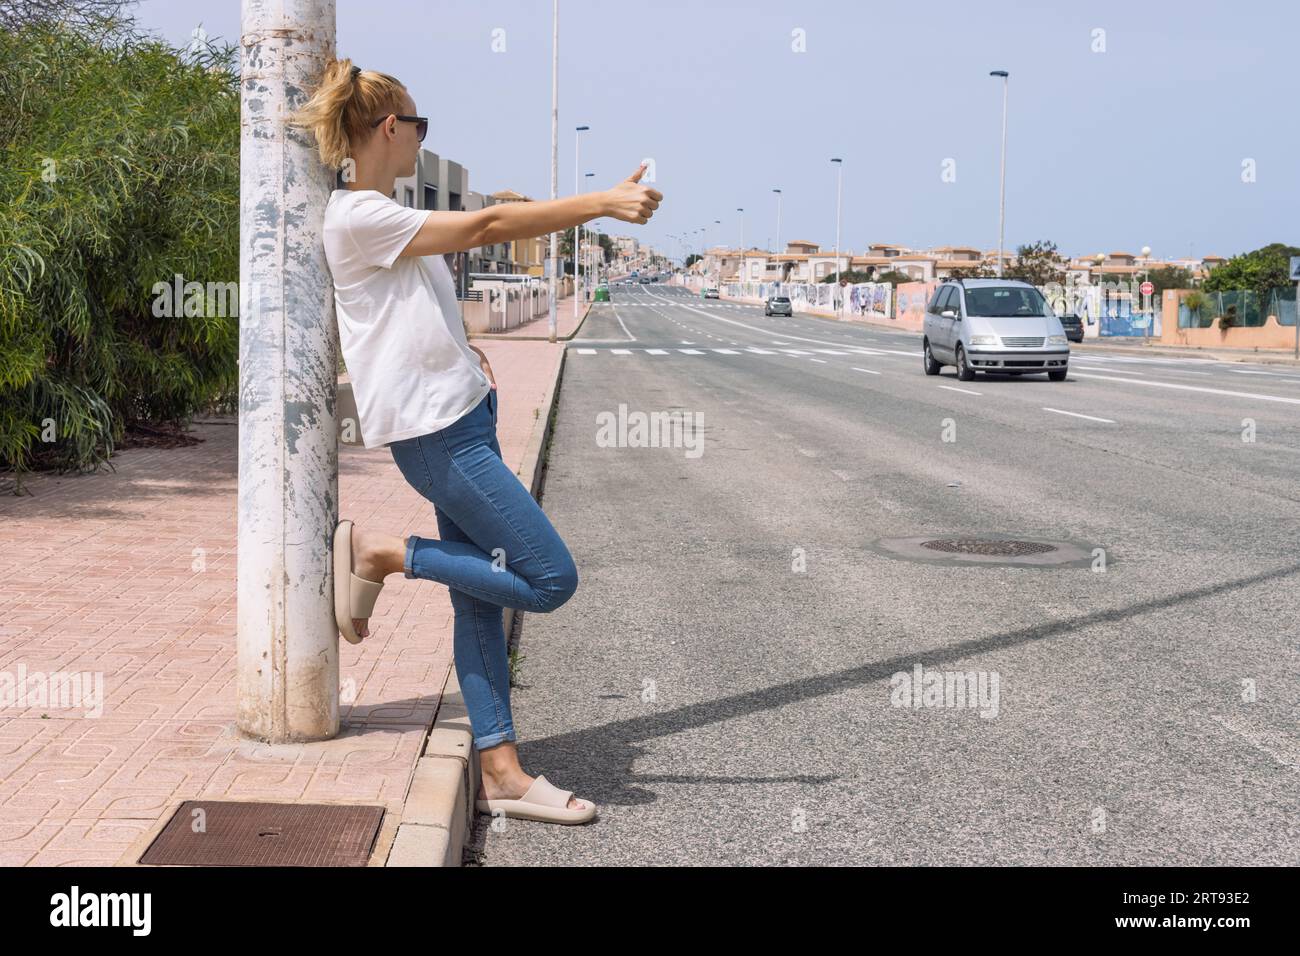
(1146, 288)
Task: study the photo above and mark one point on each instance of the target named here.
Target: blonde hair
(344, 105)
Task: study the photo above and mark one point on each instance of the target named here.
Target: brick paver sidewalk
(131, 575)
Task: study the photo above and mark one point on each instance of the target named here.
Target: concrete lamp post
(1002, 188)
(287, 647)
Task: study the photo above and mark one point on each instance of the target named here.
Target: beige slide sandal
(544, 802)
(353, 596)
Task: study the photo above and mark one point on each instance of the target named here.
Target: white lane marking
(830, 352)
(621, 351)
(688, 343)
(725, 351)
(954, 388)
(761, 351)
(1115, 370)
(656, 351)
(586, 351)
(1193, 388)
(690, 351)
(823, 361)
(782, 343)
(1077, 415)
(1242, 371)
(869, 371)
(795, 352)
(630, 336)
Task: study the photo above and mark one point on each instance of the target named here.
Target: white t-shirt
(400, 326)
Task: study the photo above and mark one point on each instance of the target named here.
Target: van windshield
(1005, 301)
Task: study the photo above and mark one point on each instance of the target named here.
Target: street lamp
(587, 263)
(1002, 189)
(555, 164)
(741, 268)
(1100, 259)
(778, 220)
(839, 198)
(577, 131)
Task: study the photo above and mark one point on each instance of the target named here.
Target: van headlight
(1057, 340)
(984, 340)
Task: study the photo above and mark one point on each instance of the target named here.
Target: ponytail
(344, 105)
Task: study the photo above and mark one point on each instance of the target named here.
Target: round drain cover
(990, 547)
(972, 548)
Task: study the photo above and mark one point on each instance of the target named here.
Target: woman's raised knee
(559, 586)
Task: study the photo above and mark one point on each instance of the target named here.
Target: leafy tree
(848, 276)
(975, 271)
(1258, 271)
(119, 169)
(1039, 263)
(1168, 277)
(894, 277)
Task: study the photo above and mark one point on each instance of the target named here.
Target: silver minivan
(993, 325)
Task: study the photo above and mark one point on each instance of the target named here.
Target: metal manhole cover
(233, 833)
(970, 549)
(985, 546)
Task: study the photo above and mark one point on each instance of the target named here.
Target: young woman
(428, 395)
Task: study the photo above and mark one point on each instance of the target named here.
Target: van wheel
(1056, 374)
(931, 366)
(964, 372)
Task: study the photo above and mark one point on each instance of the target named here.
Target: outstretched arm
(502, 222)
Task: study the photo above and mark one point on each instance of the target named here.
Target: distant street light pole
(839, 199)
(587, 233)
(741, 268)
(777, 250)
(577, 135)
(555, 159)
(1002, 193)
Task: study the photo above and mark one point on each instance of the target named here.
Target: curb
(437, 818)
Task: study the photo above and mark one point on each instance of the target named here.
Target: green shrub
(120, 169)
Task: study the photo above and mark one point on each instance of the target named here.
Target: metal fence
(1240, 308)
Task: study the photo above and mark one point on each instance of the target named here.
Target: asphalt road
(722, 684)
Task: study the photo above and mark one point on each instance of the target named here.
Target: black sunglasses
(421, 128)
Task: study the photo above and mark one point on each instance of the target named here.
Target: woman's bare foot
(503, 779)
(373, 556)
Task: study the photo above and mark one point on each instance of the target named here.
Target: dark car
(778, 305)
(1073, 326)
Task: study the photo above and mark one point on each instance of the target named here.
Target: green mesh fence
(1241, 308)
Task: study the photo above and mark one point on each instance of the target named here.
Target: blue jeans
(495, 548)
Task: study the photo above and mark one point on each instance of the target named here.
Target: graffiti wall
(911, 297)
(867, 300)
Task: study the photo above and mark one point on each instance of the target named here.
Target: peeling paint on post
(288, 653)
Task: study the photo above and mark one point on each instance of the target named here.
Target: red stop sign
(1147, 288)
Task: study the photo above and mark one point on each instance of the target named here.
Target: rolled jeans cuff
(410, 553)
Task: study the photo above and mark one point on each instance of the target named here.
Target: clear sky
(1133, 137)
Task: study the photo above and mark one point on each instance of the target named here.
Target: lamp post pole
(578, 130)
(555, 160)
(287, 646)
(1002, 189)
(778, 221)
(839, 198)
